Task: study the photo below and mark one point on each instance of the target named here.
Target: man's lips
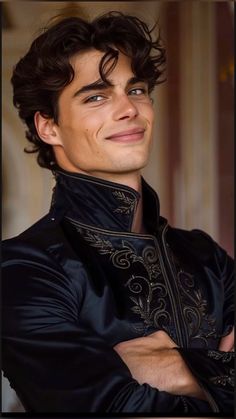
(134, 134)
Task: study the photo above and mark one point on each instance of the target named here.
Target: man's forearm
(153, 360)
(165, 370)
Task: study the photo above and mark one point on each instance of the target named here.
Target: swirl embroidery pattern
(195, 308)
(201, 326)
(148, 289)
(141, 287)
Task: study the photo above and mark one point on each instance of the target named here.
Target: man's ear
(46, 129)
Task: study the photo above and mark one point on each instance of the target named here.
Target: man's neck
(138, 225)
(132, 180)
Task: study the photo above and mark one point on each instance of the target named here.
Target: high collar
(101, 203)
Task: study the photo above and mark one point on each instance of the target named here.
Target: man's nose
(124, 108)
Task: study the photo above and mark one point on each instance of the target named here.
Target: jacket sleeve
(55, 363)
(223, 268)
(214, 369)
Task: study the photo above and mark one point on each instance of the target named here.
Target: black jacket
(78, 282)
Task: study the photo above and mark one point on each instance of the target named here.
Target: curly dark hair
(41, 75)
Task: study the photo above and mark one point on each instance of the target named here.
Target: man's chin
(136, 168)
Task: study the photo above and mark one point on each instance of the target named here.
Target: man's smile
(131, 135)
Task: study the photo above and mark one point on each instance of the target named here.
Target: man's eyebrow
(99, 84)
(135, 80)
(102, 85)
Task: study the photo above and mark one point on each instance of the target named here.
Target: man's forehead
(88, 56)
(86, 67)
(86, 63)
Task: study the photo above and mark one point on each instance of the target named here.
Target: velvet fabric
(79, 281)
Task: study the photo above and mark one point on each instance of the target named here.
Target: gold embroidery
(200, 325)
(220, 355)
(223, 380)
(129, 203)
(141, 287)
(194, 308)
(149, 291)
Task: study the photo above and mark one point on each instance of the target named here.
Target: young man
(106, 308)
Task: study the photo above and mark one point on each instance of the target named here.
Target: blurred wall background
(191, 165)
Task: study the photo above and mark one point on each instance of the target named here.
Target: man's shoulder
(197, 243)
(42, 235)
(194, 236)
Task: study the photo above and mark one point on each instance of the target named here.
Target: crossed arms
(148, 355)
(57, 363)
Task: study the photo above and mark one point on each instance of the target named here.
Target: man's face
(107, 130)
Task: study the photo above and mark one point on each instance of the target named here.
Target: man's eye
(94, 98)
(138, 91)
